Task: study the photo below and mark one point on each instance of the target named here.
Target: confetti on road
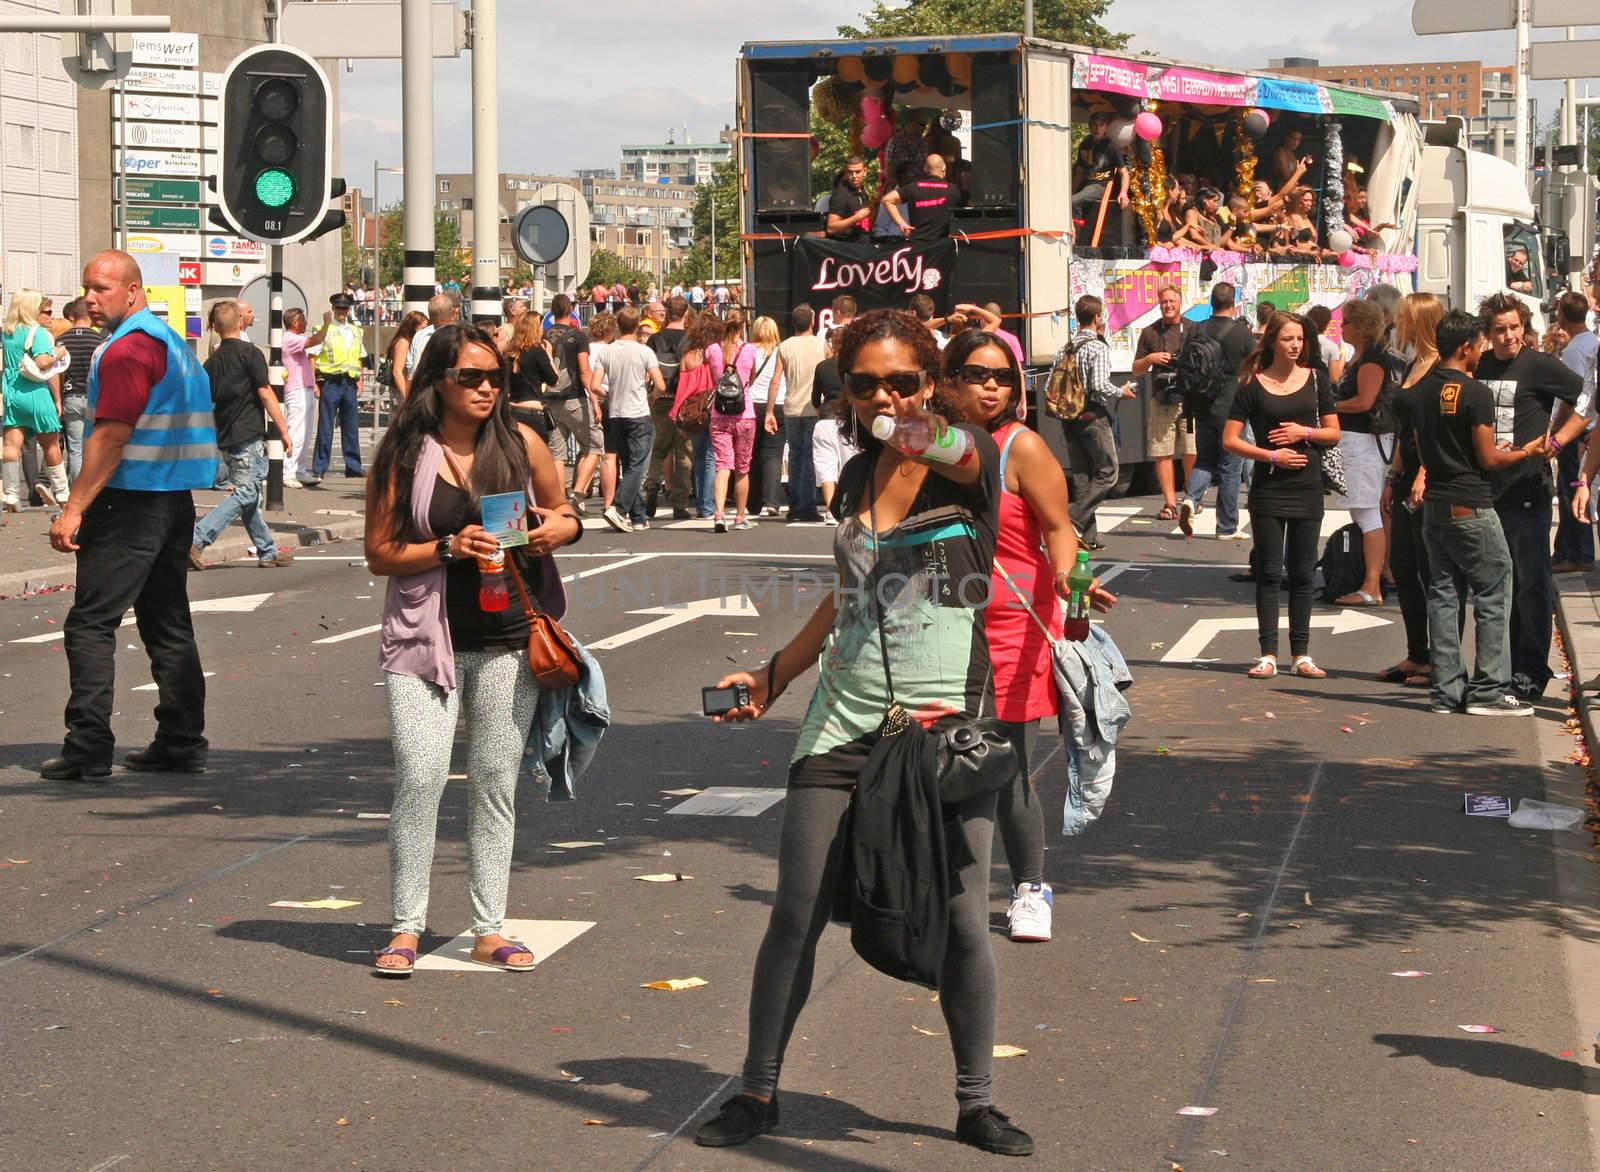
(594, 1122)
(1129, 1000)
(1411, 973)
(928, 1033)
(1005, 1050)
(1481, 1029)
(1308, 899)
(1143, 939)
(664, 878)
(568, 846)
(675, 984)
(371, 817)
(680, 793)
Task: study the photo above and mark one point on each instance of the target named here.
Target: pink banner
(1111, 75)
(1203, 89)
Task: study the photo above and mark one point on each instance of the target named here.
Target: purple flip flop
(497, 959)
(411, 960)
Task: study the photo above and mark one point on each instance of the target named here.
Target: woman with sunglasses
(914, 536)
(454, 441)
(1035, 551)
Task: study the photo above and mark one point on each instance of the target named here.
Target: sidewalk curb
(15, 582)
(1571, 604)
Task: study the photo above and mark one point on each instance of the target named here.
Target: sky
(572, 91)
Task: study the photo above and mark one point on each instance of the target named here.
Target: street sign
(167, 136)
(233, 272)
(234, 248)
(155, 216)
(150, 80)
(1565, 13)
(167, 108)
(367, 30)
(174, 244)
(256, 290)
(1561, 60)
(96, 61)
(1462, 16)
(540, 234)
(188, 272)
(179, 49)
(164, 163)
(163, 190)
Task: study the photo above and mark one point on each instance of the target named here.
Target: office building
(1442, 88)
(672, 163)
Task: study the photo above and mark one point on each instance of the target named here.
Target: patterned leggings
(499, 697)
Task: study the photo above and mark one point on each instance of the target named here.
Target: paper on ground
(730, 802)
(567, 846)
(676, 984)
(663, 878)
(1006, 1051)
(544, 937)
(331, 905)
(1204, 1112)
(686, 792)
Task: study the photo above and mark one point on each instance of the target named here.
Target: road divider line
(1198, 637)
(635, 560)
(355, 634)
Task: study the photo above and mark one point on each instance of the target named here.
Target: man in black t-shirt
(1099, 163)
(927, 202)
(848, 208)
(1212, 460)
(81, 341)
(671, 455)
(576, 436)
(1453, 416)
(239, 392)
(1526, 385)
(1167, 433)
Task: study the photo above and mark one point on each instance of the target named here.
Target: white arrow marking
(676, 616)
(239, 604)
(355, 634)
(1193, 644)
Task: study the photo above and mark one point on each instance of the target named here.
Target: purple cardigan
(416, 634)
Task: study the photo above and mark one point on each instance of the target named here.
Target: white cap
(883, 428)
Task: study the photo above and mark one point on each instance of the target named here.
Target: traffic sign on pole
(1564, 13)
(1462, 16)
(1560, 60)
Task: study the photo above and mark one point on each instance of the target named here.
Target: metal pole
(275, 374)
(713, 230)
(1520, 92)
(377, 294)
(1027, 19)
(416, 113)
(122, 166)
(486, 293)
(1569, 106)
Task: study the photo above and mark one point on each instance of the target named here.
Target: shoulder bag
(1333, 477)
(30, 369)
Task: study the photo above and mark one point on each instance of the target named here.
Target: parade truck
(1014, 112)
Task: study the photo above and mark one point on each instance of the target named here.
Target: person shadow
(335, 940)
(1505, 1061)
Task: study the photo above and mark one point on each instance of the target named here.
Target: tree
(607, 266)
(353, 262)
(1076, 22)
(450, 260)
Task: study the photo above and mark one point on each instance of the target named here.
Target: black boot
(741, 1119)
(68, 769)
(155, 759)
(990, 1131)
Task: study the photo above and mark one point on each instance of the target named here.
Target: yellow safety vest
(342, 350)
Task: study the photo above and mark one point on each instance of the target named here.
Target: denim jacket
(1090, 678)
(567, 727)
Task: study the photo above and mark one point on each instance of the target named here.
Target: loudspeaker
(997, 151)
(779, 103)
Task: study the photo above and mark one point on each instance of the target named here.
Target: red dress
(1024, 687)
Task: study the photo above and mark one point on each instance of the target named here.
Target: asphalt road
(1225, 938)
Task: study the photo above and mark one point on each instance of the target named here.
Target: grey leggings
(1019, 814)
(499, 697)
(808, 868)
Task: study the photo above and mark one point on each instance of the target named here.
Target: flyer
(505, 517)
(1488, 806)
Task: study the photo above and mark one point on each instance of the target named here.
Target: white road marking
(676, 616)
(153, 687)
(1194, 642)
(355, 634)
(238, 604)
(543, 937)
(623, 564)
(722, 801)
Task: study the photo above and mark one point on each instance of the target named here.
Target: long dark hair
(407, 330)
(500, 462)
(962, 347)
(1264, 354)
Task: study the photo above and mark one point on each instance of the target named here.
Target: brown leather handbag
(552, 656)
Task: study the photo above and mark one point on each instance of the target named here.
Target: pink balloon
(1349, 260)
(1148, 126)
(875, 134)
(871, 108)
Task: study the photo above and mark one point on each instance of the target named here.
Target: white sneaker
(291, 482)
(1234, 536)
(1504, 706)
(1030, 913)
(829, 519)
(617, 521)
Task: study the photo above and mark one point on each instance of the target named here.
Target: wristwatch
(443, 549)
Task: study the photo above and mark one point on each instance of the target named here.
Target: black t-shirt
(826, 383)
(531, 374)
(1277, 490)
(1100, 160)
(1406, 435)
(1157, 338)
(237, 369)
(1361, 422)
(845, 202)
(471, 627)
(927, 204)
(1442, 409)
(81, 343)
(566, 343)
(668, 346)
(1525, 391)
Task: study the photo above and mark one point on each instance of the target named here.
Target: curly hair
(888, 325)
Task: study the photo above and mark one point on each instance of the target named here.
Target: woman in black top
(1289, 404)
(531, 372)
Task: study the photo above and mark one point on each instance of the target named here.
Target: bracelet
(1275, 457)
(1555, 443)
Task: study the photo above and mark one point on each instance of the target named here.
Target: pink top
(1024, 684)
(297, 374)
(1012, 344)
(745, 363)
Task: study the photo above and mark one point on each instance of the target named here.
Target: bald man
(149, 440)
(921, 209)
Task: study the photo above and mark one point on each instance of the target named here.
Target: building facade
(39, 226)
(1443, 88)
(680, 164)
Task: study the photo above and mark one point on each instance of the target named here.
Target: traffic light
(275, 173)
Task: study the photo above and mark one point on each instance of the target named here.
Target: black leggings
(1285, 549)
(1408, 558)
(808, 870)
(1019, 815)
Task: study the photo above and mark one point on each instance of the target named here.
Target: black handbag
(973, 758)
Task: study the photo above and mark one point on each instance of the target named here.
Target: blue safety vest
(174, 444)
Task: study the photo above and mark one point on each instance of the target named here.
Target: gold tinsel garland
(1244, 177)
(1150, 190)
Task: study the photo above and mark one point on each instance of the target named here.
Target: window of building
(1430, 79)
(58, 154)
(466, 204)
(1383, 83)
(1462, 80)
(20, 58)
(1368, 83)
(444, 185)
(21, 145)
(1462, 96)
(447, 205)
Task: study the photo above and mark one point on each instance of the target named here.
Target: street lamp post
(377, 284)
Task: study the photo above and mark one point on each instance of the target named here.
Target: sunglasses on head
(904, 383)
(470, 378)
(978, 375)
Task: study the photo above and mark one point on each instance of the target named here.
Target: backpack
(1343, 564)
(1199, 365)
(670, 356)
(1065, 396)
(566, 378)
(728, 397)
(896, 874)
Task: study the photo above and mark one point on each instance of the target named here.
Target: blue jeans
(74, 410)
(1213, 461)
(338, 405)
(1533, 594)
(705, 475)
(1467, 556)
(632, 440)
(1574, 538)
(247, 469)
(802, 473)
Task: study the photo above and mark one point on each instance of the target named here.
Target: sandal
(1266, 667)
(1398, 674)
(1306, 668)
(1419, 679)
(500, 958)
(1352, 598)
(1168, 513)
(390, 970)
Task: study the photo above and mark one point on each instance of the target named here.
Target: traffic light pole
(486, 293)
(416, 114)
(275, 374)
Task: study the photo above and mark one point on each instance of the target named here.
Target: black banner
(879, 274)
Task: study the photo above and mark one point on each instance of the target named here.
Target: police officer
(338, 367)
(148, 441)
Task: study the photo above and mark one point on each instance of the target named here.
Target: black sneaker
(1091, 545)
(682, 515)
(155, 759)
(67, 769)
(991, 1131)
(651, 496)
(741, 1119)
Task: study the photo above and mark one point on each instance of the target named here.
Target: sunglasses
(904, 383)
(978, 375)
(470, 378)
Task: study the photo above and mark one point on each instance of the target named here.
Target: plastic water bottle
(916, 437)
(492, 593)
(1076, 624)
